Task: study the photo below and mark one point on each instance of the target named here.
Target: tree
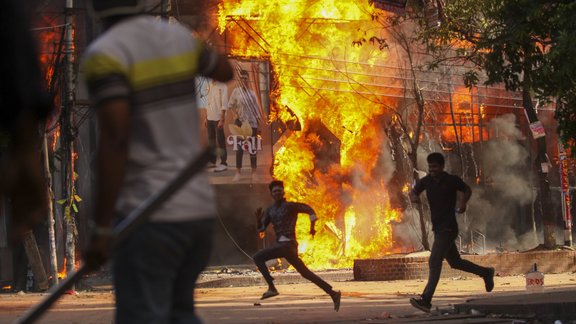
(558, 72)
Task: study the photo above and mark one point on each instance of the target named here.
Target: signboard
(537, 129)
(243, 138)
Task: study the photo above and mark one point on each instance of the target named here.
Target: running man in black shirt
(441, 190)
(283, 215)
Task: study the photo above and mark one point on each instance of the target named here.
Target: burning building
(352, 112)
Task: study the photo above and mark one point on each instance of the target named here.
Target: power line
(49, 27)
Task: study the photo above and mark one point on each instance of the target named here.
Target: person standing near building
(140, 77)
(441, 190)
(283, 215)
(217, 104)
(243, 104)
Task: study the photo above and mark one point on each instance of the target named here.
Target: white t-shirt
(217, 100)
(154, 64)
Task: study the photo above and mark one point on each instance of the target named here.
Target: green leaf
(75, 208)
(61, 201)
(77, 198)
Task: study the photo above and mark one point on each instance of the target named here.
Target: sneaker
(210, 165)
(489, 280)
(269, 293)
(237, 177)
(336, 295)
(421, 304)
(220, 168)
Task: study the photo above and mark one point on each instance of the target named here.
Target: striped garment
(153, 63)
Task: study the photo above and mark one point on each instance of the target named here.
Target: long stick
(136, 217)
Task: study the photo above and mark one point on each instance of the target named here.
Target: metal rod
(136, 217)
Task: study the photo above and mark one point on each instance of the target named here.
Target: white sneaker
(220, 168)
(210, 165)
(237, 177)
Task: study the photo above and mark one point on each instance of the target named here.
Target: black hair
(435, 158)
(275, 183)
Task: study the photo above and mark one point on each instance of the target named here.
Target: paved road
(362, 302)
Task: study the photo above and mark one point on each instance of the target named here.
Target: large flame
(334, 87)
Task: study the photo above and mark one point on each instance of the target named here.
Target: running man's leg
(299, 265)
(260, 258)
(455, 261)
(442, 243)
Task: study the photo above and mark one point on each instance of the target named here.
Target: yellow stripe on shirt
(99, 66)
(160, 71)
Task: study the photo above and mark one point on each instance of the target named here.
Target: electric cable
(231, 238)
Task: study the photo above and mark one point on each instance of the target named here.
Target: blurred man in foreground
(140, 76)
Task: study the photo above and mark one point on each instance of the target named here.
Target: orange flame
(62, 274)
(336, 90)
(467, 119)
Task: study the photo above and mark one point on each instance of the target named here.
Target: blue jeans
(444, 247)
(155, 271)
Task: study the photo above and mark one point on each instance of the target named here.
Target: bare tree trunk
(51, 221)
(70, 246)
(414, 154)
(68, 141)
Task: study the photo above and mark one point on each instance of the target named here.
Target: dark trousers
(240, 153)
(217, 141)
(155, 271)
(444, 247)
(289, 251)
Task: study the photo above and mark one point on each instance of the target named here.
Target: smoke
(495, 207)
(407, 234)
(386, 165)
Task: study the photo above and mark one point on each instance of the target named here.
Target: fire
(406, 188)
(49, 37)
(62, 274)
(467, 118)
(340, 93)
